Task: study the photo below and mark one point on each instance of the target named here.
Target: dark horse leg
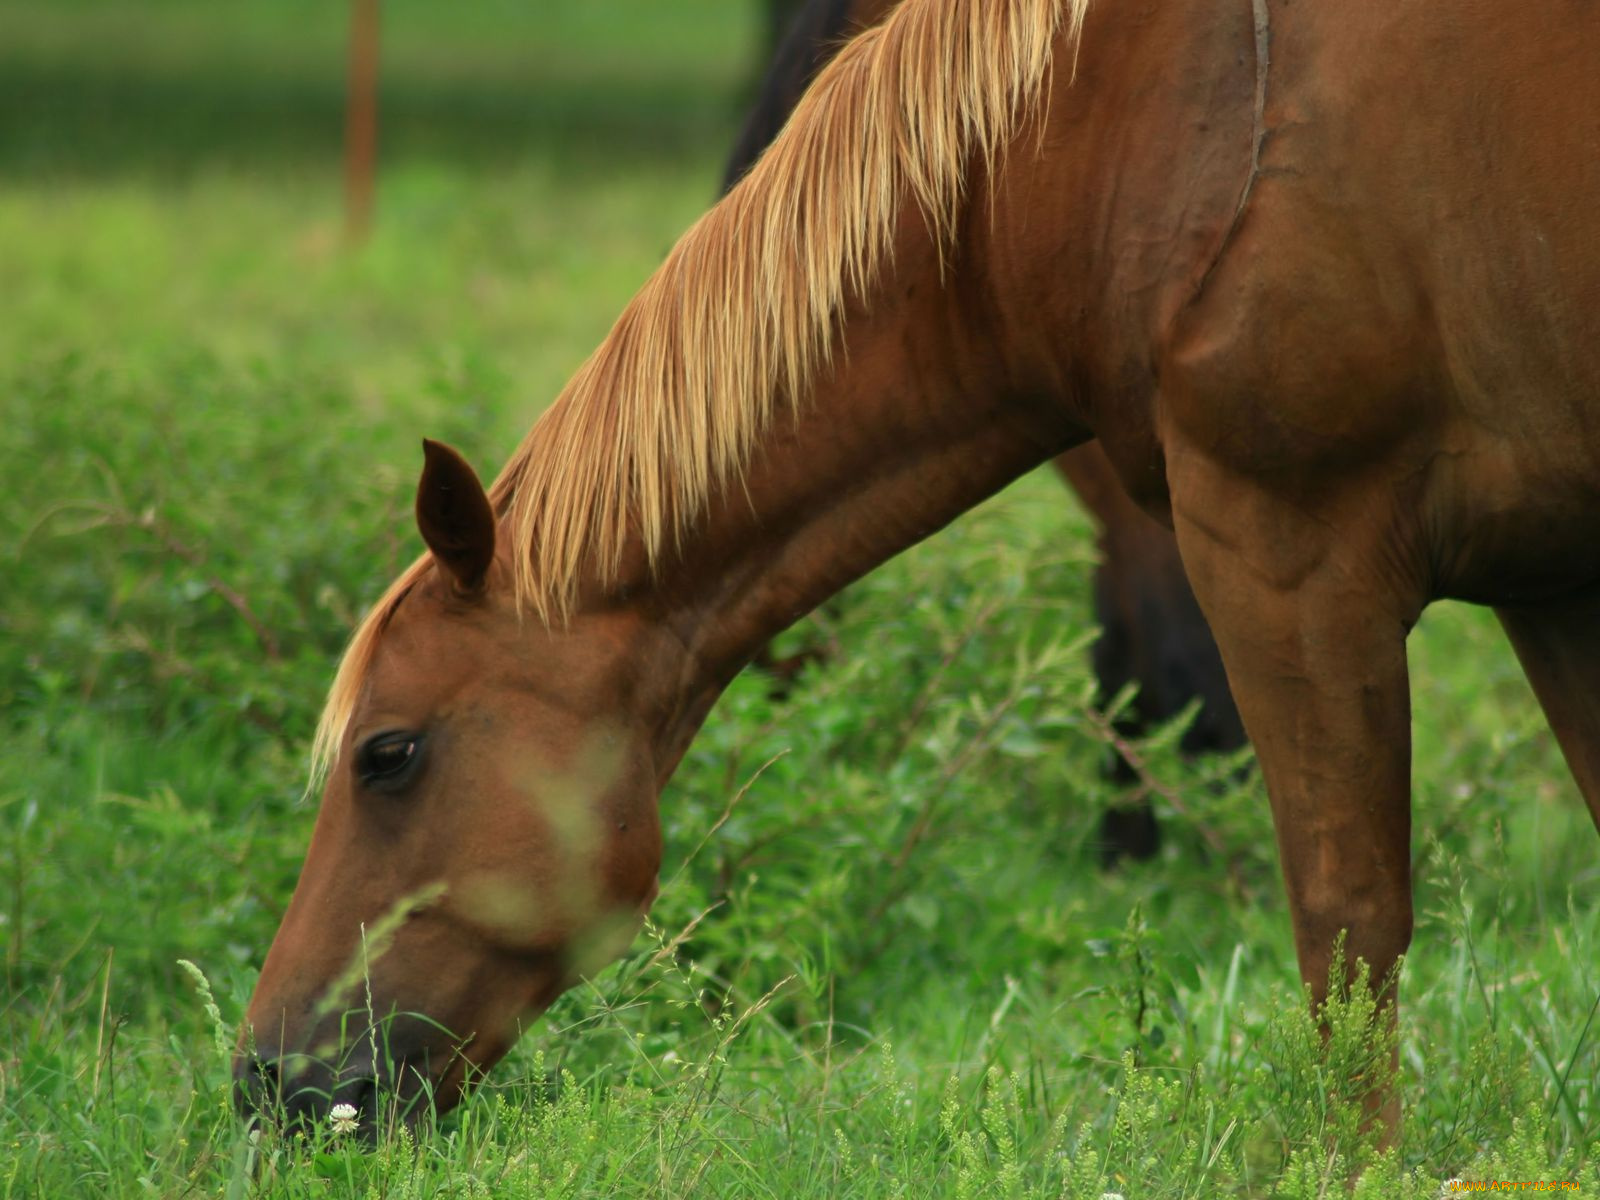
(1152, 635)
(1558, 644)
(1312, 627)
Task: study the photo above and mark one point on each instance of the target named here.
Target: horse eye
(388, 758)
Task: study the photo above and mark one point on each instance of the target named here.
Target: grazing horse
(1323, 280)
(1152, 632)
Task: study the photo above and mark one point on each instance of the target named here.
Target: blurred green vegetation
(910, 978)
(96, 89)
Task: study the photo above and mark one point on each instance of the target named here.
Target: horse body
(1383, 395)
(1322, 304)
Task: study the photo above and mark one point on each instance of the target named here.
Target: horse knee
(1375, 923)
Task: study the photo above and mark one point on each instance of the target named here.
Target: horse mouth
(360, 1097)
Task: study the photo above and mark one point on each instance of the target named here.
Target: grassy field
(906, 976)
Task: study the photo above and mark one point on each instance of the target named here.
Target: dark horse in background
(1152, 633)
(1322, 278)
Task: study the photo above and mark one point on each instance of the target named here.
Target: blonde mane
(668, 409)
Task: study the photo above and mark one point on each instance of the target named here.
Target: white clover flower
(1110, 1196)
(342, 1118)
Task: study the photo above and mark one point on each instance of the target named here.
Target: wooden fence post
(361, 120)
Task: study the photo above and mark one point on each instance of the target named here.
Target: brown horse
(1321, 278)
(1153, 635)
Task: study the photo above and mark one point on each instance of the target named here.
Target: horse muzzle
(376, 1085)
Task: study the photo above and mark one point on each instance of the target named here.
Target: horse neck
(915, 421)
(961, 375)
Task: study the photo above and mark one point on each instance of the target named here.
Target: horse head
(487, 834)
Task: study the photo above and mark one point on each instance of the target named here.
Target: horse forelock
(670, 406)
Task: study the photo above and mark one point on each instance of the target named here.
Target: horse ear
(455, 516)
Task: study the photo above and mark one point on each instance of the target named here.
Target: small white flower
(1110, 1196)
(342, 1118)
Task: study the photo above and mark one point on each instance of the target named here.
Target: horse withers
(1321, 279)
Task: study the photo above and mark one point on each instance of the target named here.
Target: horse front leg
(1313, 636)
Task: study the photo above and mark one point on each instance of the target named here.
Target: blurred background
(174, 171)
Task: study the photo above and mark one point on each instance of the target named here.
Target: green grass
(211, 411)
